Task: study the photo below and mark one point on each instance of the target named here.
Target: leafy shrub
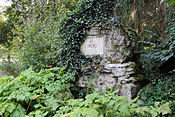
(40, 43)
(158, 91)
(34, 94)
(108, 104)
(172, 107)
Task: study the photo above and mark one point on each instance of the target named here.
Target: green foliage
(125, 8)
(40, 45)
(10, 68)
(48, 94)
(42, 41)
(136, 14)
(73, 27)
(162, 89)
(159, 57)
(35, 38)
(172, 2)
(34, 94)
(108, 104)
(23, 10)
(6, 35)
(5, 30)
(172, 107)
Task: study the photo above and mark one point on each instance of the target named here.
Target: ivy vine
(74, 25)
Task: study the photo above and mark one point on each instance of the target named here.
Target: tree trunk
(134, 14)
(162, 18)
(139, 20)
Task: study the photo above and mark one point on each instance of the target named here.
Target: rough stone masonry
(117, 69)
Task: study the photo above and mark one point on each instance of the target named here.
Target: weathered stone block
(118, 47)
(105, 82)
(129, 90)
(117, 70)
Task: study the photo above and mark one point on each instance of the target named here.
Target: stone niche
(116, 69)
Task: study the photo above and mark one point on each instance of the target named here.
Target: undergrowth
(34, 94)
(47, 94)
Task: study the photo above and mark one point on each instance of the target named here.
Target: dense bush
(40, 45)
(160, 90)
(34, 94)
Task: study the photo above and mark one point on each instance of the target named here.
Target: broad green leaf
(92, 113)
(11, 108)
(16, 113)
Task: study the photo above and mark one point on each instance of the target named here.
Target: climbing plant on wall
(73, 28)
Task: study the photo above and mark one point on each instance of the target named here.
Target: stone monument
(117, 69)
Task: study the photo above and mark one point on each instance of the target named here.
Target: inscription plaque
(93, 45)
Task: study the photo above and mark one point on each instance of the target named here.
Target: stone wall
(116, 68)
